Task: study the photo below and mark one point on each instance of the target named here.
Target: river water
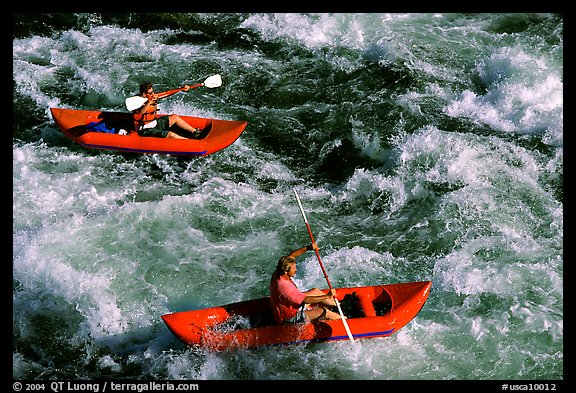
(423, 147)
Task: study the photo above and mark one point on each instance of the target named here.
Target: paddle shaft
(322, 266)
(210, 82)
(136, 102)
(168, 93)
(133, 103)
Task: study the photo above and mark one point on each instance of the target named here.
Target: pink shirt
(285, 298)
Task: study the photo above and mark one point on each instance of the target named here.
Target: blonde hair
(284, 263)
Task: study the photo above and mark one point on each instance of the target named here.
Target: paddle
(322, 266)
(136, 102)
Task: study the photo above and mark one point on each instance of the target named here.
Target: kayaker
(148, 123)
(289, 304)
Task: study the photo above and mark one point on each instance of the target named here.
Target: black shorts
(161, 128)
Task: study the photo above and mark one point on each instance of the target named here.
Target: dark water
(423, 146)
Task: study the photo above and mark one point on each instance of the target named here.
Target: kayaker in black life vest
(148, 123)
(291, 305)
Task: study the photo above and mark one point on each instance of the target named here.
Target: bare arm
(144, 108)
(168, 93)
(296, 253)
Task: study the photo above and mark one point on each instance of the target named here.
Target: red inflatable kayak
(371, 311)
(99, 130)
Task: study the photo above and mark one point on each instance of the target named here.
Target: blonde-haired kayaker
(289, 304)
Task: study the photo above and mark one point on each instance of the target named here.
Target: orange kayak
(77, 125)
(371, 311)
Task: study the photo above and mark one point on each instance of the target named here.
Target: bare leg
(314, 313)
(173, 135)
(321, 312)
(332, 315)
(317, 292)
(175, 119)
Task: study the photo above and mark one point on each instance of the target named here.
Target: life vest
(141, 119)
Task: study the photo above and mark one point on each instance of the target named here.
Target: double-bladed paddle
(136, 102)
(322, 266)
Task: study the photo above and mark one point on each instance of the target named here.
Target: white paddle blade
(213, 81)
(135, 102)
